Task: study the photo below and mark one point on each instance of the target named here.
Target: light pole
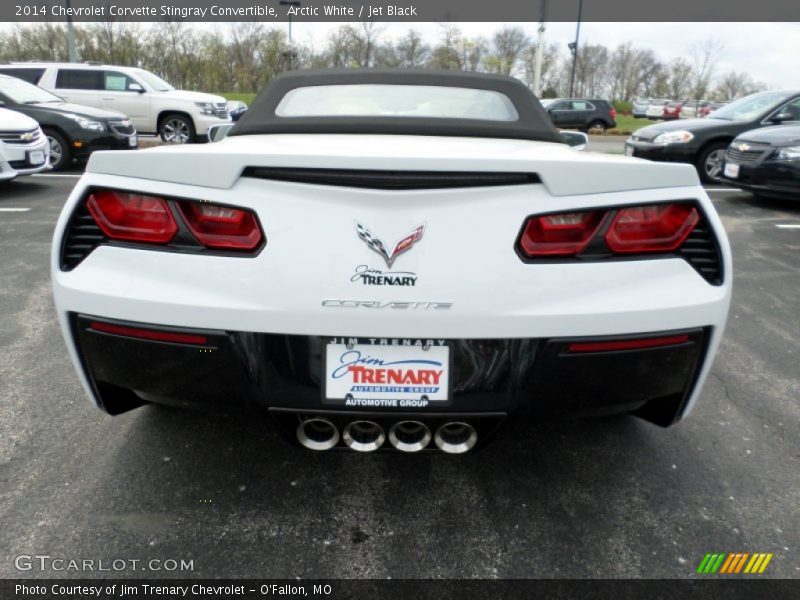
(73, 52)
(537, 65)
(573, 46)
(291, 53)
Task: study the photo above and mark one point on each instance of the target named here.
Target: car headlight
(674, 137)
(789, 153)
(207, 108)
(85, 123)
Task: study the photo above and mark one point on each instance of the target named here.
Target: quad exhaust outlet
(456, 437)
(409, 436)
(363, 436)
(321, 432)
(317, 434)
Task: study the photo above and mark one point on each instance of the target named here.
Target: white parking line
(788, 225)
(14, 209)
(71, 175)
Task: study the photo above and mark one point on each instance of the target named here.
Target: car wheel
(599, 125)
(60, 153)
(177, 129)
(709, 163)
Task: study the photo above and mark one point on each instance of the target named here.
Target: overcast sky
(768, 51)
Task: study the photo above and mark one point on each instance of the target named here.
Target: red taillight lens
(563, 234)
(637, 344)
(613, 113)
(132, 217)
(222, 227)
(149, 334)
(655, 228)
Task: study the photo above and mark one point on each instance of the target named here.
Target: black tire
(597, 125)
(177, 129)
(60, 151)
(709, 162)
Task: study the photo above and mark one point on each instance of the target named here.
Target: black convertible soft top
(533, 122)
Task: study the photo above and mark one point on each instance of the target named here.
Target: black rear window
(30, 75)
(79, 79)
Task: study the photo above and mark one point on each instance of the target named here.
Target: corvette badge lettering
(379, 246)
(338, 303)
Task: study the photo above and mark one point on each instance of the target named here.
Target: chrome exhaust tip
(363, 436)
(317, 434)
(409, 436)
(456, 437)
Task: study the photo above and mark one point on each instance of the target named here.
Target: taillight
(629, 230)
(564, 234)
(132, 217)
(136, 217)
(655, 228)
(613, 113)
(221, 227)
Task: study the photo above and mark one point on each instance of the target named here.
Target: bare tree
(679, 83)
(411, 50)
(735, 84)
(445, 55)
(705, 56)
(508, 46)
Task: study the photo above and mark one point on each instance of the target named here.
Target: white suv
(151, 103)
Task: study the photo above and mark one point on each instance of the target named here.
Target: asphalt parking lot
(613, 497)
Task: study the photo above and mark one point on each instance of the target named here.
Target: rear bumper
(223, 370)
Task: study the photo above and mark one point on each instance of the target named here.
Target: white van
(154, 106)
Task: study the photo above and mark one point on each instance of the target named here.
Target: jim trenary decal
(387, 373)
(369, 276)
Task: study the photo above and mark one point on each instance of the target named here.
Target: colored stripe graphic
(734, 562)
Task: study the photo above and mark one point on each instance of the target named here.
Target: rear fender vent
(701, 251)
(83, 235)
(391, 180)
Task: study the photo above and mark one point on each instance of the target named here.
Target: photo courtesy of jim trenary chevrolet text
(419, 299)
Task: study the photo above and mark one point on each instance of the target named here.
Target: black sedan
(766, 162)
(74, 131)
(702, 142)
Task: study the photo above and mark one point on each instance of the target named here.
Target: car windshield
(153, 81)
(749, 107)
(382, 100)
(22, 92)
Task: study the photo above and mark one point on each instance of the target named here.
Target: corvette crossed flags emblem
(379, 246)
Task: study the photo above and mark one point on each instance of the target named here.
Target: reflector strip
(149, 334)
(611, 345)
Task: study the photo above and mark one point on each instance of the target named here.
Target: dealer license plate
(36, 157)
(628, 150)
(133, 141)
(387, 373)
(731, 170)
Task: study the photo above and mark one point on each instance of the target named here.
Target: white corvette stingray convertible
(397, 259)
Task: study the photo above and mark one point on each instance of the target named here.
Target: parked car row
(752, 143)
(581, 113)
(83, 107)
(668, 110)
